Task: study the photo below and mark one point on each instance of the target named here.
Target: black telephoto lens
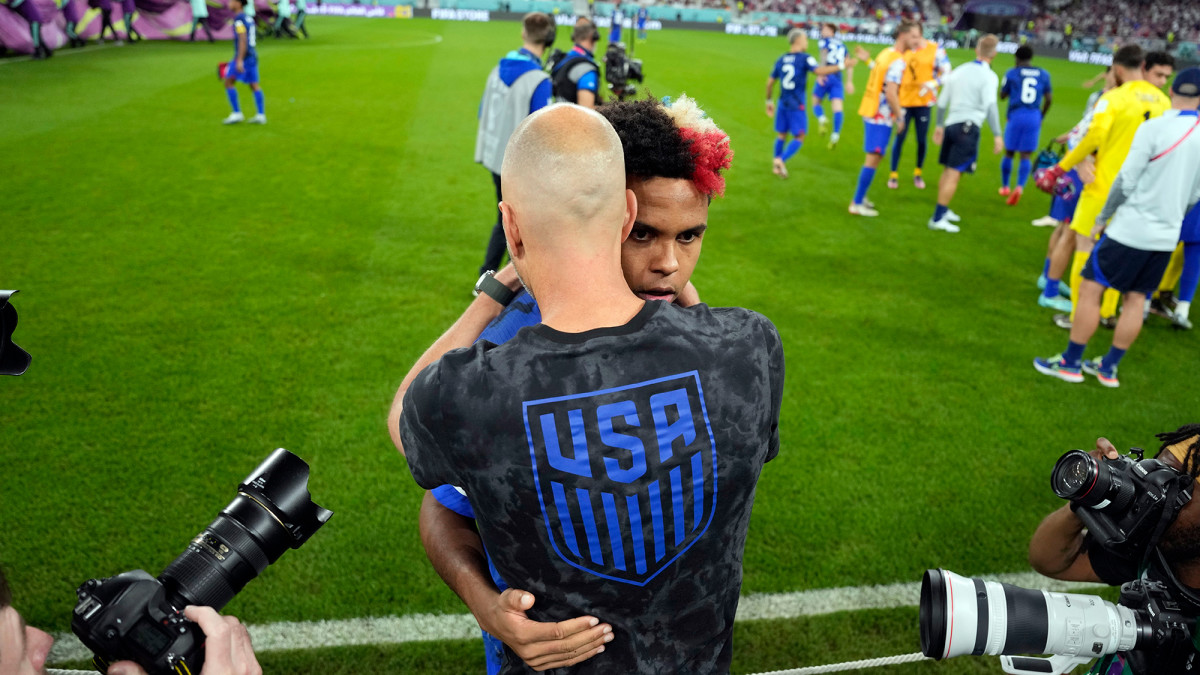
(271, 513)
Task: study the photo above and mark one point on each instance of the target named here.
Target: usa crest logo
(626, 477)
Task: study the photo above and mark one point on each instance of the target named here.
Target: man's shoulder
(735, 322)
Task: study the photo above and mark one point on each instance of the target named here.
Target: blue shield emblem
(626, 477)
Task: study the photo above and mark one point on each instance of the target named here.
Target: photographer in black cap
(1063, 548)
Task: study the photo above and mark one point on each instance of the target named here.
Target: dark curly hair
(1191, 460)
(657, 146)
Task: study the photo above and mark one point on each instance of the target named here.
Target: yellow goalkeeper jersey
(1115, 120)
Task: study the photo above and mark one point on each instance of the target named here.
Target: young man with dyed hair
(791, 71)
(970, 98)
(1027, 89)
(674, 157)
(880, 107)
(244, 67)
(926, 68)
(833, 86)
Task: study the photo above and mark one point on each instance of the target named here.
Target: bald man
(610, 453)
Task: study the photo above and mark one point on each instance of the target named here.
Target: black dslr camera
(1126, 503)
(135, 617)
(620, 71)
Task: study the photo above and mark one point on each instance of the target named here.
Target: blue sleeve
(1006, 88)
(1046, 80)
(521, 312)
(777, 71)
(542, 97)
(589, 82)
(451, 498)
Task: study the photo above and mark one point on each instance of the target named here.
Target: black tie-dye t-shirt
(612, 472)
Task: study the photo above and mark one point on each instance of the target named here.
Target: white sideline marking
(437, 627)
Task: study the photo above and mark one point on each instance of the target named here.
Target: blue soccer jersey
(1025, 87)
(243, 28)
(618, 20)
(791, 70)
(641, 18)
(835, 51)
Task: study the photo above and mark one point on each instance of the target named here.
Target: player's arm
(463, 333)
(1004, 88)
(770, 97)
(1047, 97)
(242, 39)
(836, 67)
(892, 91)
(1097, 131)
(943, 104)
(456, 552)
(585, 92)
(993, 120)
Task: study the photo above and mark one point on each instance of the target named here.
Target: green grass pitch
(196, 295)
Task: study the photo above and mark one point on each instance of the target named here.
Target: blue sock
(792, 149)
(939, 212)
(1191, 271)
(778, 147)
(1112, 358)
(1074, 354)
(864, 183)
(1023, 170)
(819, 110)
(1051, 288)
(260, 103)
(233, 99)
(1046, 268)
(1005, 171)
(837, 122)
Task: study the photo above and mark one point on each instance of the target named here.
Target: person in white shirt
(969, 97)
(1158, 183)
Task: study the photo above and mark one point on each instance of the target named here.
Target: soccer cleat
(1041, 282)
(1045, 221)
(1106, 376)
(1015, 196)
(953, 217)
(862, 210)
(893, 183)
(944, 225)
(779, 168)
(833, 140)
(258, 119)
(1180, 321)
(868, 203)
(1004, 191)
(233, 118)
(1054, 366)
(1057, 302)
(1109, 322)
(918, 182)
(1063, 321)
(822, 125)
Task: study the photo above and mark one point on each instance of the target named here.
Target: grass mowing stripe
(293, 635)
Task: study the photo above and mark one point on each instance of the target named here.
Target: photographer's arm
(463, 333)
(457, 554)
(586, 98)
(1057, 547)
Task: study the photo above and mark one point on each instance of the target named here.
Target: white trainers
(779, 168)
(1045, 221)
(862, 210)
(944, 225)
(833, 140)
(233, 118)
(952, 216)
(822, 125)
(258, 119)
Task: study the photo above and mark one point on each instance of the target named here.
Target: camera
(1126, 503)
(13, 359)
(961, 615)
(134, 616)
(620, 71)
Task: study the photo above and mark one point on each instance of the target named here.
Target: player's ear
(512, 232)
(630, 214)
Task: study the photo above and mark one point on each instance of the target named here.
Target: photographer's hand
(227, 648)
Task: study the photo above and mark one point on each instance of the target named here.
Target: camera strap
(1169, 513)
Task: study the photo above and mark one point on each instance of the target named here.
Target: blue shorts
(876, 137)
(1024, 129)
(832, 88)
(1124, 268)
(1061, 209)
(1191, 226)
(249, 73)
(792, 121)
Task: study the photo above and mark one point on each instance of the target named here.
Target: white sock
(1182, 307)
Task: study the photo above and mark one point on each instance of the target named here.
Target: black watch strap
(495, 290)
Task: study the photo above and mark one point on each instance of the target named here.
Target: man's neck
(1183, 106)
(537, 50)
(587, 297)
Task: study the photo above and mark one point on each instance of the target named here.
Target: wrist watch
(495, 290)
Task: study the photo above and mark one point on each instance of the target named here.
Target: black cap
(1187, 82)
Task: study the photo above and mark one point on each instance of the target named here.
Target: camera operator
(24, 649)
(1062, 548)
(576, 76)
